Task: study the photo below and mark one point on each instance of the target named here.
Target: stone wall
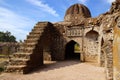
(9, 48)
(116, 50)
(91, 41)
(99, 40)
(108, 59)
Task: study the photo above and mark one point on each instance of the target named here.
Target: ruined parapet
(115, 7)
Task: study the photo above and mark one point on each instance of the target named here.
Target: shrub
(2, 66)
(1, 69)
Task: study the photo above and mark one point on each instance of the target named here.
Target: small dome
(77, 11)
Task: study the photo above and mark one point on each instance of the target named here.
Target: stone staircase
(22, 61)
(18, 63)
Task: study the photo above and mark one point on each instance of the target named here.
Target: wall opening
(72, 51)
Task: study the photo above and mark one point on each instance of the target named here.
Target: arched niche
(93, 35)
(91, 46)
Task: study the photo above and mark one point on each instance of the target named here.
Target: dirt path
(67, 70)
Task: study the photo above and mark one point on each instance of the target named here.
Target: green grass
(1, 69)
(5, 56)
(2, 54)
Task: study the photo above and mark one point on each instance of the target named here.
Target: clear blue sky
(19, 16)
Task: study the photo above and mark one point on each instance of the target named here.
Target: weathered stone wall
(9, 48)
(107, 25)
(99, 40)
(58, 48)
(116, 50)
(91, 50)
(108, 59)
(106, 45)
(91, 42)
(75, 33)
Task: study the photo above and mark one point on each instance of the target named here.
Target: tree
(7, 37)
(20, 41)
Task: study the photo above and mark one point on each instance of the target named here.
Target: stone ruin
(98, 39)
(9, 47)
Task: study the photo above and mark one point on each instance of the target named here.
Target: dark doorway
(72, 51)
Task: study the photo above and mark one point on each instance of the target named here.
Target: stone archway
(44, 38)
(72, 50)
(49, 43)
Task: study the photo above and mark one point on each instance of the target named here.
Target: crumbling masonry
(98, 39)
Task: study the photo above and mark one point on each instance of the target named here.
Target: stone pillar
(99, 44)
(82, 57)
(99, 50)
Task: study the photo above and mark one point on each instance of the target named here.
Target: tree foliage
(7, 37)
(77, 47)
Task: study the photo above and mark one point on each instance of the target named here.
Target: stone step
(18, 61)
(37, 35)
(15, 69)
(31, 40)
(28, 49)
(33, 36)
(37, 29)
(35, 39)
(35, 32)
(21, 55)
(21, 47)
(41, 24)
(30, 44)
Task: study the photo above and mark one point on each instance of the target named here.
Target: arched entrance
(72, 51)
(43, 42)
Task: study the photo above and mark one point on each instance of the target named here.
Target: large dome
(118, 1)
(76, 12)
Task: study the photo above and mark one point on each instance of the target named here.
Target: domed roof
(77, 11)
(118, 1)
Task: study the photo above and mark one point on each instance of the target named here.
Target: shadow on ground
(55, 65)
